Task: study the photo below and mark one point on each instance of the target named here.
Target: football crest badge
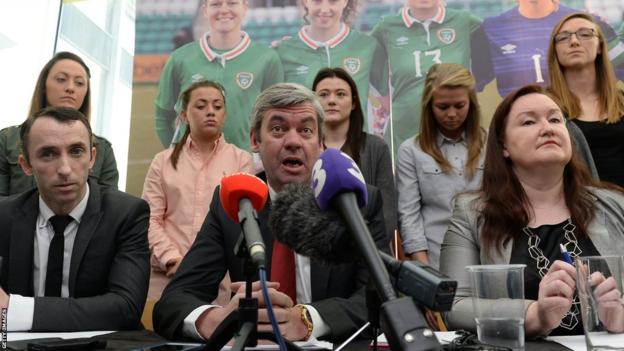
(244, 79)
(446, 35)
(351, 64)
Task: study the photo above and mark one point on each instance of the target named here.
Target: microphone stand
(242, 324)
(402, 322)
(373, 304)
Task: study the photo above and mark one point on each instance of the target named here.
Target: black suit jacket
(337, 291)
(109, 272)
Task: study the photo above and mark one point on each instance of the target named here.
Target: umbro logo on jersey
(352, 64)
(401, 41)
(197, 78)
(508, 49)
(446, 35)
(244, 79)
(302, 69)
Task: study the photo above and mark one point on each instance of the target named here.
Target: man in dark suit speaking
(326, 302)
(73, 257)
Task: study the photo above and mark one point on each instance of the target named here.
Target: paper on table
(312, 344)
(443, 338)
(577, 342)
(16, 336)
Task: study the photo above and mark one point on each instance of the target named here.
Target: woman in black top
(583, 79)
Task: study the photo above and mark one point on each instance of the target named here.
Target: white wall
(27, 33)
(100, 31)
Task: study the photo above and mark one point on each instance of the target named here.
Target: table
(129, 340)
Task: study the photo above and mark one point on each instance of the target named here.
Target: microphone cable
(265, 293)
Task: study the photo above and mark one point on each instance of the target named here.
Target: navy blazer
(337, 290)
(109, 272)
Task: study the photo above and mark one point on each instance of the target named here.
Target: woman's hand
(555, 297)
(610, 308)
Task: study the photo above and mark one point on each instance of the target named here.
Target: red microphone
(242, 195)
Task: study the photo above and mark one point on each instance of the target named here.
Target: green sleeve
(380, 70)
(473, 22)
(377, 33)
(274, 71)
(168, 92)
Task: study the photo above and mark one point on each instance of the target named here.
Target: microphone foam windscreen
(241, 185)
(296, 221)
(334, 173)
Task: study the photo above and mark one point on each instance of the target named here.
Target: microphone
(242, 195)
(337, 183)
(297, 221)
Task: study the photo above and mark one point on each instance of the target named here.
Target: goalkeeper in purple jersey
(512, 47)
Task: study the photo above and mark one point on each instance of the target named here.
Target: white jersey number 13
(417, 59)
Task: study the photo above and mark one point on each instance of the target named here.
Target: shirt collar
(409, 20)
(272, 192)
(190, 144)
(314, 44)
(441, 139)
(228, 55)
(45, 213)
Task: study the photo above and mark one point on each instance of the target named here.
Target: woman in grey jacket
(534, 197)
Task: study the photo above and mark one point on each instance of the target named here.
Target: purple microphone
(335, 173)
(339, 186)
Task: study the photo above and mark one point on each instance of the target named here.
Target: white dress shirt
(21, 308)
(304, 296)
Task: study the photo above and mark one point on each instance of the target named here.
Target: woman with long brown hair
(180, 182)
(65, 80)
(444, 159)
(535, 197)
(583, 80)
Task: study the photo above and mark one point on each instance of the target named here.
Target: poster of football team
(387, 46)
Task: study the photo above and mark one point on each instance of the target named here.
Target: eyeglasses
(581, 34)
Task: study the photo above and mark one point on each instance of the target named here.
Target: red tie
(283, 269)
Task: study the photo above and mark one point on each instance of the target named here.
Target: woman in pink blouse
(181, 181)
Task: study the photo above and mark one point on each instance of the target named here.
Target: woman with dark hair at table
(344, 121)
(535, 197)
(63, 81)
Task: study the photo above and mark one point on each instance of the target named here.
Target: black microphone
(296, 221)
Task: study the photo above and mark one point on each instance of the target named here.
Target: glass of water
(498, 301)
(599, 286)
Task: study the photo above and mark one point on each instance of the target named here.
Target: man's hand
(287, 315)
(4, 299)
(210, 319)
(291, 326)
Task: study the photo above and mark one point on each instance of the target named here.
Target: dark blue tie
(54, 275)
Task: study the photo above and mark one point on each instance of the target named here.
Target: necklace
(571, 319)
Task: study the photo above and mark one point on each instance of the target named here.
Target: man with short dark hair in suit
(73, 257)
(287, 125)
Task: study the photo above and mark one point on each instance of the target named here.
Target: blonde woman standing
(445, 159)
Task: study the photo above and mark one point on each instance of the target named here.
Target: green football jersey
(359, 54)
(244, 72)
(412, 48)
